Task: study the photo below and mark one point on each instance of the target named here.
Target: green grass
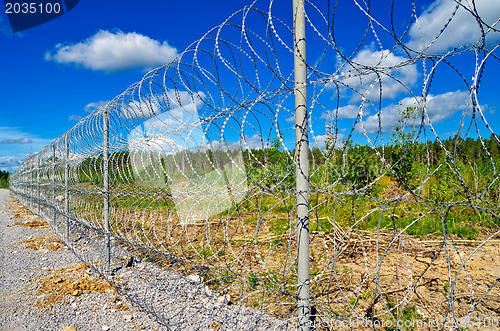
(253, 280)
(279, 226)
(408, 319)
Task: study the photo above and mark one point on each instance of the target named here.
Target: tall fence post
(32, 184)
(105, 154)
(39, 202)
(302, 165)
(66, 188)
(54, 185)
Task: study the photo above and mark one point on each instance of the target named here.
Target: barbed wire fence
(222, 191)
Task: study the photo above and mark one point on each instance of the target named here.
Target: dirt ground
(425, 282)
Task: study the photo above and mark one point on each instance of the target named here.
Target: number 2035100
(32, 8)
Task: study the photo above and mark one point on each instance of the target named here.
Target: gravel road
(45, 286)
(27, 274)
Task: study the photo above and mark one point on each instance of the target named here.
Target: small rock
(224, 299)
(58, 280)
(76, 293)
(209, 292)
(128, 318)
(194, 278)
(43, 251)
(74, 305)
(69, 328)
(105, 328)
(113, 310)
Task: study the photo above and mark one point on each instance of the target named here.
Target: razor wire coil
(202, 163)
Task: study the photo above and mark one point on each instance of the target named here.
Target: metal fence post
(54, 185)
(105, 154)
(302, 166)
(66, 188)
(38, 184)
(32, 184)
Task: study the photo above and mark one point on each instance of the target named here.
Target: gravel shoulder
(44, 286)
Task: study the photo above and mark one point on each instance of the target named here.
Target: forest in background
(4, 179)
(404, 183)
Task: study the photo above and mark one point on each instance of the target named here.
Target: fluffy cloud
(24, 140)
(254, 142)
(439, 108)
(463, 29)
(178, 105)
(349, 111)
(320, 141)
(10, 163)
(15, 144)
(72, 118)
(368, 68)
(109, 52)
(171, 122)
(93, 106)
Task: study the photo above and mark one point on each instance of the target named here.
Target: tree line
(4, 179)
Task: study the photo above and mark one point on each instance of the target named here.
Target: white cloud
(320, 141)
(109, 52)
(489, 109)
(93, 106)
(178, 104)
(76, 118)
(349, 111)
(462, 30)
(10, 163)
(140, 110)
(439, 108)
(12, 135)
(368, 68)
(24, 140)
(254, 142)
(16, 144)
(171, 122)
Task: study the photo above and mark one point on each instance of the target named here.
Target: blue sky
(55, 74)
(42, 98)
